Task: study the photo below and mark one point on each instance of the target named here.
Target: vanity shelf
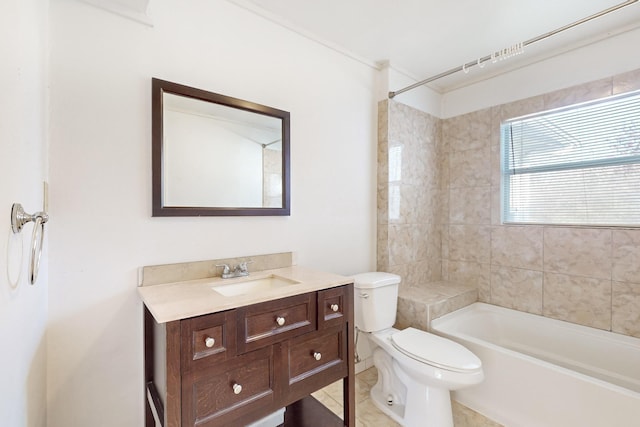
(236, 366)
(308, 412)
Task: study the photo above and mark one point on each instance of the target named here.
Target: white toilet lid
(435, 351)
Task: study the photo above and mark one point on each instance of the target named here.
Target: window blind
(578, 165)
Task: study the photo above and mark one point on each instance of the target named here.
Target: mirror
(217, 155)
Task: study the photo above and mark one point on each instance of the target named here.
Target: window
(576, 165)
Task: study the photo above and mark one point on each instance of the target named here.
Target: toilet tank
(376, 300)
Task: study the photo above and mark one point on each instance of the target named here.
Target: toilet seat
(435, 351)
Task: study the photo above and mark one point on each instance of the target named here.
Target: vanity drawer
(317, 360)
(333, 306)
(274, 321)
(217, 396)
(208, 340)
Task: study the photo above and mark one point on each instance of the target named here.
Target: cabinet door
(208, 340)
(217, 396)
(316, 360)
(333, 307)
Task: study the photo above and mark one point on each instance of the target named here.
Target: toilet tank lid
(375, 279)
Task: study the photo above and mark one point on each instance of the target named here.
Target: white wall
(100, 177)
(23, 309)
(599, 60)
(422, 97)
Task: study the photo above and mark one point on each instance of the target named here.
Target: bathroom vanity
(261, 343)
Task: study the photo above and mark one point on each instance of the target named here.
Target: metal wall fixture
(18, 219)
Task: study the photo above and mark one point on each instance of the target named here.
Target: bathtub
(541, 372)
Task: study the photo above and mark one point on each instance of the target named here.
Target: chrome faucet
(239, 270)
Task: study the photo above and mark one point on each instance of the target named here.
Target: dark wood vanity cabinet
(234, 367)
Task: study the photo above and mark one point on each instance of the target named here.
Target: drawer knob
(209, 342)
(317, 355)
(237, 388)
(280, 321)
(334, 307)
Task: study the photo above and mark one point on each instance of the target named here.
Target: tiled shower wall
(589, 276)
(410, 221)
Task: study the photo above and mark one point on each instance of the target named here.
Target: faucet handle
(225, 268)
(243, 266)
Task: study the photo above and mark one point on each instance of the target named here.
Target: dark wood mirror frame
(159, 87)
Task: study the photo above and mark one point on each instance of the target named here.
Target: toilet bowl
(416, 369)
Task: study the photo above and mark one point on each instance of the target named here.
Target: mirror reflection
(218, 155)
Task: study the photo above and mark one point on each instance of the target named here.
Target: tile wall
(450, 196)
(410, 155)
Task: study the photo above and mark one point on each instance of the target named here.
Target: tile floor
(367, 415)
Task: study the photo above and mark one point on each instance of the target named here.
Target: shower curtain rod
(516, 49)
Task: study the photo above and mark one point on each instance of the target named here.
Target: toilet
(416, 369)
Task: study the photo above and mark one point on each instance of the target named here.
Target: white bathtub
(541, 372)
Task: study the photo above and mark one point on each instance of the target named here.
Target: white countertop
(181, 300)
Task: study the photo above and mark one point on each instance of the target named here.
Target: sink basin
(253, 285)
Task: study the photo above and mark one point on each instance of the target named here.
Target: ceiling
(423, 38)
